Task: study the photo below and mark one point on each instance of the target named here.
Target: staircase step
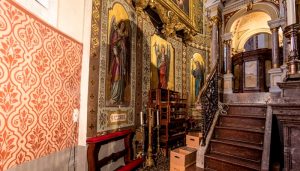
(208, 169)
(243, 121)
(253, 136)
(222, 162)
(254, 109)
(238, 149)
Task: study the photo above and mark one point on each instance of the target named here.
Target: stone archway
(241, 26)
(243, 39)
(265, 7)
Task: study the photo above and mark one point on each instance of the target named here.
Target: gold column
(149, 160)
(291, 32)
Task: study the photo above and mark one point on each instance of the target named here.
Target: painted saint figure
(163, 56)
(118, 66)
(198, 75)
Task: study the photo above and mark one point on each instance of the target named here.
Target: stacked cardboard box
(181, 159)
(193, 139)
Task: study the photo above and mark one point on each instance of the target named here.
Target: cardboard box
(179, 168)
(193, 139)
(196, 134)
(181, 158)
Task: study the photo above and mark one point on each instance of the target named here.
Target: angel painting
(119, 61)
(163, 62)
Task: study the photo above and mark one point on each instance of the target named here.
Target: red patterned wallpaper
(39, 87)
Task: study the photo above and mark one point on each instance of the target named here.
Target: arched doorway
(250, 32)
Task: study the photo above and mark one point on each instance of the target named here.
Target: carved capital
(215, 20)
(274, 30)
(227, 42)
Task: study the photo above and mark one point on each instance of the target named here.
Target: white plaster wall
(47, 14)
(65, 15)
(70, 18)
(85, 73)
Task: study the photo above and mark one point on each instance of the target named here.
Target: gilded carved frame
(173, 18)
(186, 19)
(105, 114)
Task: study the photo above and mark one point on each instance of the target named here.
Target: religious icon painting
(162, 64)
(118, 84)
(197, 75)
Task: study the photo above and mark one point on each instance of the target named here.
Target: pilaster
(276, 71)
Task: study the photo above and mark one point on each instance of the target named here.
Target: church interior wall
(40, 88)
(81, 20)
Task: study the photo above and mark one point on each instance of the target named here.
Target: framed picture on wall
(162, 64)
(118, 82)
(251, 74)
(117, 67)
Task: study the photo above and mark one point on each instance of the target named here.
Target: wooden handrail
(208, 99)
(204, 88)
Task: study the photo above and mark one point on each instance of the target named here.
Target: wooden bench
(95, 143)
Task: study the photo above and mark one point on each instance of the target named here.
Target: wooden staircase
(237, 141)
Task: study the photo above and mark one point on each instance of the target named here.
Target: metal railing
(208, 100)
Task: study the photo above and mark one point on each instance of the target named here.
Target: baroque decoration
(183, 54)
(94, 69)
(104, 108)
(178, 62)
(39, 87)
(148, 30)
(173, 18)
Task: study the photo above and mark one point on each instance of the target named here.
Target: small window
(44, 3)
(44, 9)
(258, 41)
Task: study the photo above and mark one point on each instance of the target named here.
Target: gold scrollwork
(141, 5)
(171, 20)
(227, 42)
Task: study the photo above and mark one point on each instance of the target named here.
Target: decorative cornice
(275, 23)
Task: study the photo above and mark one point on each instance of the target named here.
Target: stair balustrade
(209, 100)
